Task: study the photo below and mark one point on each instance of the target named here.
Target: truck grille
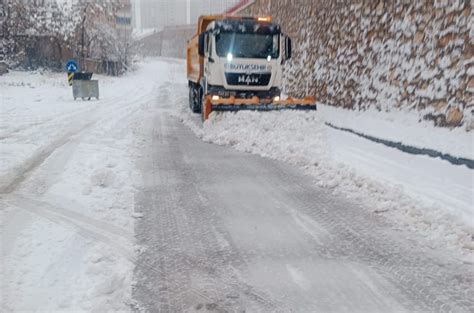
(243, 79)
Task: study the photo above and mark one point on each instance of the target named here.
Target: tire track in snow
(18, 174)
(19, 200)
(181, 245)
(414, 269)
(52, 162)
(86, 227)
(9, 182)
(83, 225)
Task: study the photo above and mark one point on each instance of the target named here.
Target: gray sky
(160, 13)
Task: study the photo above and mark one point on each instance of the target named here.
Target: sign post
(71, 68)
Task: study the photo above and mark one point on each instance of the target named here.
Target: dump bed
(194, 62)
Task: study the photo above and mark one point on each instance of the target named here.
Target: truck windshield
(245, 45)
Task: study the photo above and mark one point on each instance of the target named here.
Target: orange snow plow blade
(255, 104)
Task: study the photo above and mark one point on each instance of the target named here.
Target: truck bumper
(256, 104)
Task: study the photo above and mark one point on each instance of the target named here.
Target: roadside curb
(410, 149)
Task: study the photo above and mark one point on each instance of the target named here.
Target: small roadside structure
(82, 84)
(84, 87)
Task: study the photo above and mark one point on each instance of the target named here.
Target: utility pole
(188, 12)
(83, 34)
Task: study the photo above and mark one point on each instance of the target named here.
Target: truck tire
(195, 98)
(191, 97)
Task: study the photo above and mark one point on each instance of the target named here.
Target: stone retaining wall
(403, 54)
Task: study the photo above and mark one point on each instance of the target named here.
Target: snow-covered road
(229, 231)
(68, 180)
(116, 205)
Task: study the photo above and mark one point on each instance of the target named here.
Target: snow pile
(291, 145)
(301, 138)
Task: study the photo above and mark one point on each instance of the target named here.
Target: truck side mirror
(201, 44)
(288, 47)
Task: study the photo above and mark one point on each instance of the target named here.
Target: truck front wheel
(195, 98)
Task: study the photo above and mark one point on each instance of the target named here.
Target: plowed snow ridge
(429, 196)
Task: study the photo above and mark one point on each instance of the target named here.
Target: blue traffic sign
(72, 66)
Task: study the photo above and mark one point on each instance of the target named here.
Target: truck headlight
(277, 98)
(215, 97)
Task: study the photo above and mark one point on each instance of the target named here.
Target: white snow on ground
(31, 105)
(67, 179)
(429, 196)
(405, 127)
(68, 176)
(434, 182)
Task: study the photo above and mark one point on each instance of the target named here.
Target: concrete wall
(386, 54)
(150, 45)
(175, 40)
(170, 42)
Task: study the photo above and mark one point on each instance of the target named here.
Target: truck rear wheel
(191, 98)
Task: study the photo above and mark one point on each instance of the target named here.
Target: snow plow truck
(235, 63)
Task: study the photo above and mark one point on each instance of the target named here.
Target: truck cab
(239, 57)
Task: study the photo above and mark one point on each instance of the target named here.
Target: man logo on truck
(247, 79)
